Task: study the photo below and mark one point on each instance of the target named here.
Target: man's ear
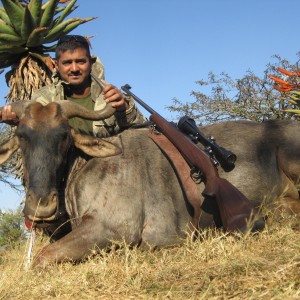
(93, 146)
(93, 59)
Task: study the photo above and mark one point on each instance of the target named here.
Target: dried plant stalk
(23, 79)
(29, 75)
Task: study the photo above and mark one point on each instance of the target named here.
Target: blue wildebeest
(123, 187)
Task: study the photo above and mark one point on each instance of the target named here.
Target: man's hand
(114, 96)
(8, 116)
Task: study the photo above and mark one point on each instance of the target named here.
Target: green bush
(12, 230)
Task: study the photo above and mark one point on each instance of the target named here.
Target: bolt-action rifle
(235, 209)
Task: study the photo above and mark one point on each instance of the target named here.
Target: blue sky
(162, 47)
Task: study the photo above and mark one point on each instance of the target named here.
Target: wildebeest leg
(290, 205)
(74, 246)
(289, 201)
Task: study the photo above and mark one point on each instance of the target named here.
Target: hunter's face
(74, 67)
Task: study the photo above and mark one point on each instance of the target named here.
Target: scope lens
(231, 159)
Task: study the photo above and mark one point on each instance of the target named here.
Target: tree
(12, 230)
(251, 97)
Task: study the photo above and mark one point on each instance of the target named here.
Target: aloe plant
(289, 87)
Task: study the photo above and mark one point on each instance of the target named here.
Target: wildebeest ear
(8, 148)
(93, 146)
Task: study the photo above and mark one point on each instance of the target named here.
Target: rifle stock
(235, 209)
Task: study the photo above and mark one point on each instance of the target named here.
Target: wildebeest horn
(18, 107)
(71, 110)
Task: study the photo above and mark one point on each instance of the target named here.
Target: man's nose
(74, 67)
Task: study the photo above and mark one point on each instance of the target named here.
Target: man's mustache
(75, 73)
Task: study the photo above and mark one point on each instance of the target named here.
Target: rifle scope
(226, 158)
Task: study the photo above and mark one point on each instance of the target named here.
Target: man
(74, 81)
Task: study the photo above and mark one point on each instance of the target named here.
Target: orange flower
(63, 1)
(286, 72)
(283, 89)
(277, 80)
(283, 86)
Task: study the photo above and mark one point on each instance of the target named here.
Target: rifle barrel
(126, 88)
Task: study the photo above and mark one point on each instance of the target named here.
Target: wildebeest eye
(64, 136)
(19, 135)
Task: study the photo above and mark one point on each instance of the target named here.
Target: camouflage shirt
(104, 128)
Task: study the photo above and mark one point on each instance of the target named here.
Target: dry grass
(264, 266)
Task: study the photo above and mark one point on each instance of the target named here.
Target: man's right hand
(8, 116)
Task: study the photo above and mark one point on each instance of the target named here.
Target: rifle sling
(182, 170)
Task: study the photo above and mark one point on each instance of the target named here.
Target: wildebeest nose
(41, 207)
